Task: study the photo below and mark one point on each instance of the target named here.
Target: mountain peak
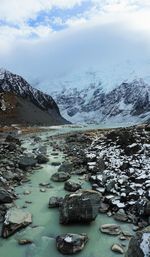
(3, 72)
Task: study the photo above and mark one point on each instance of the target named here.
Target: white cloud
(20, 11)
(108, 30)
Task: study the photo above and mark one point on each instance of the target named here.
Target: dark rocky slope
(20, 103)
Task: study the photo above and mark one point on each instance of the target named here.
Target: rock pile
(117, 163)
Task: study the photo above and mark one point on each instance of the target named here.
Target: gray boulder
(60, 176)
(80, 207)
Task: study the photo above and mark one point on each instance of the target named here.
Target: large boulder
(5, 197)
(139, 245)
(71, 243)
(60, 177)
(80, 207)
(15, 219)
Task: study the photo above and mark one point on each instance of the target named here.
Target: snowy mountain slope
(127, 102)
(18, 95)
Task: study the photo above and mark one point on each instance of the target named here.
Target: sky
(44, 40)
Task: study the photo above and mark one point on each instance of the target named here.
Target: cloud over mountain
(44, 39)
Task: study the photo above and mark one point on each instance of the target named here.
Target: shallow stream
(45, 226)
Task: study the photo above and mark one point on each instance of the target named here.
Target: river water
(45, 226)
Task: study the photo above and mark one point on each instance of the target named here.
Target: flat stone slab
(14, 220)
(111, 229)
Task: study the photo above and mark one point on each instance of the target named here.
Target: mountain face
(21, 103)
(127, 103)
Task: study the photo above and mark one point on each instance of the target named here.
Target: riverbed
(45, 226)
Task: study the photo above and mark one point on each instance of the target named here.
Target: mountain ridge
(21, 93)
(127, 102)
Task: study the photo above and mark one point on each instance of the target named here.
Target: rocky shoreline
(15, 167)
(117, 164)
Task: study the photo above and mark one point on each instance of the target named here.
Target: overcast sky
(50, 38)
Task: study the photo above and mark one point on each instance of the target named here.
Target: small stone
(111, 229)
(117, 248)
(27, 192)
(27, 201)
(122, 238)
(43, 190)
(24, 241)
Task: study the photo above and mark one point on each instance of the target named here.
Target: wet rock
(139, 245)
(45, 184)
(55, 202)
(24, 241)
(65, 167)
(71, 243)
(60, 177)
(27, 192)
(41, 159)
(117, 248)
(55, 163)
(55, 154)
(42, 190)
(15, 219)
(111, 229)
(28, 201)
(27, 162)
(71, 186)
(5, 197)
(80, 207)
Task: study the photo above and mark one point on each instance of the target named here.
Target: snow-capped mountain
(127, 102)
(25, 103)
